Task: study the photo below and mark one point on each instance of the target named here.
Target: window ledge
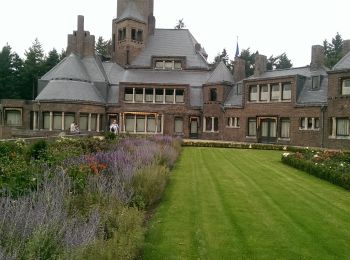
(251, 137)
(339, 137)
(284, 139)
(234, 127)
(310, 130)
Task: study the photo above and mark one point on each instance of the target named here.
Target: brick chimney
(81, 42)
(239, 69)
(260, 65)
(317, 57)
(346, 47)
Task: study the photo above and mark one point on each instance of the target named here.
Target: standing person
(114, 127)
(73, 128)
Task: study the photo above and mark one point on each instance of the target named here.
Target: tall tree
(51, 61)
(180, 24)
(279, 62)
(333, 50)
(102, 47)
(33, 69)
(223, 56)
(63, 54)
(10, 70)
(249, 61)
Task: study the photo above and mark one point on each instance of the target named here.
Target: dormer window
(168, 65)
(345, 90)
(139, 36)
(315, 82)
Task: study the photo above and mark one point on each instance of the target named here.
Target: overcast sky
(269, 26)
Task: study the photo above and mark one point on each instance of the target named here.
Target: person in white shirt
(74, 127)
(114, 127)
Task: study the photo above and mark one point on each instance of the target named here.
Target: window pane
(228, 121)
(208, 124)
(128, 94)
(317, 123)
(275, 92)
(57, 121)
(252, 127)
(139, 95)
(151, 124)
(178, 125)
(149, 95)
(169, 96)
(159, 124)
(178, 65)
(342, 126)
(129, 123)
(285, 128)
(286, 92)
(213, 95)
(309, 123)
(302, 123)
(83, 122)
(169, 65)
(179, 96)
(216, 124)
(237, 121)
(68, 120)
(140, 123)
(253, 93)
(159, 64)
(93, 122)
(315, 82)
(264, 93)
(159, 95)
(346, 87)
(13, 117)
(46, 116)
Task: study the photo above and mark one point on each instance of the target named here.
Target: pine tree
(333, 50)
(10, 70)
(51, 61)
(33, 69)
(102, 47)
(180, 24)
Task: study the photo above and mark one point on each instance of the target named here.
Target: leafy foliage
(333, 50)
(102, 47)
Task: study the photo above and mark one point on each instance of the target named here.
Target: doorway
(268, 130)
(194, 126)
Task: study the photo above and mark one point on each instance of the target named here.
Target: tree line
(19, 77)
(332, 49)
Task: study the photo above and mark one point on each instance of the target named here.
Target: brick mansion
(158, 81)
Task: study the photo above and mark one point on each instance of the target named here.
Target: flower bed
(333, 166)
(80, 198)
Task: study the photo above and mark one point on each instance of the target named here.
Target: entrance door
(268, 130)
(194, 124)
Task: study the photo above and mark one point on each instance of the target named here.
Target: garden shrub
(148, 185)
(38, 150)
(332, 166)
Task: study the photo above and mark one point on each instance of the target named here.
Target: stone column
(51, 121)
(98, 123)
(334, 127)
(62, 122)
(34, 120)
(89, 123)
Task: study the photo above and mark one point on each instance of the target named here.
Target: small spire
(237, 49)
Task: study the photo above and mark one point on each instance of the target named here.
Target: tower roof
(131, 12)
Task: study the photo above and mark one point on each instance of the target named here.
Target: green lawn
(245, 204)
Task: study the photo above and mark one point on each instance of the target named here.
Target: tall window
(57, 121)
(133, 34)
(275, 92)
(13, 117)
(264, 93)
(179, 125)
(46, 120)
(345, 90)
(159, 95)
(286, 91)
(139, 36)
(253, 93)
(251, 126)
(69, 118)
(213, 94)
(285, 128)
(169, 96)
(83, 121)
(342, 127)
(211, 124)
(139, 95)
(232, 122)
(180, 96)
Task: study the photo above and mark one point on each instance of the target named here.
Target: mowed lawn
(245, 204)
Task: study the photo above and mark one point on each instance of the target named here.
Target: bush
(38, 150)
(328, 165)
(148, 185)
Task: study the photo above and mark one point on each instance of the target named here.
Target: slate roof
(171, 43)
(308, 96)
(71, 67)
(305, 71)
(344, 63)
(192, 78)
(221, 74)
(233, 99)
(69, 90)
(94, 68)
(131, 12)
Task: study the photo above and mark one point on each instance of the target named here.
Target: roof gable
(171, 43)
(221, 74)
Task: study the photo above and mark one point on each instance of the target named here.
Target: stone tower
(130, 30)
(81, 42)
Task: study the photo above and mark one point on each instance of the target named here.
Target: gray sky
(269, 26)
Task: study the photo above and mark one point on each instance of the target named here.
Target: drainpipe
(323, 111)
